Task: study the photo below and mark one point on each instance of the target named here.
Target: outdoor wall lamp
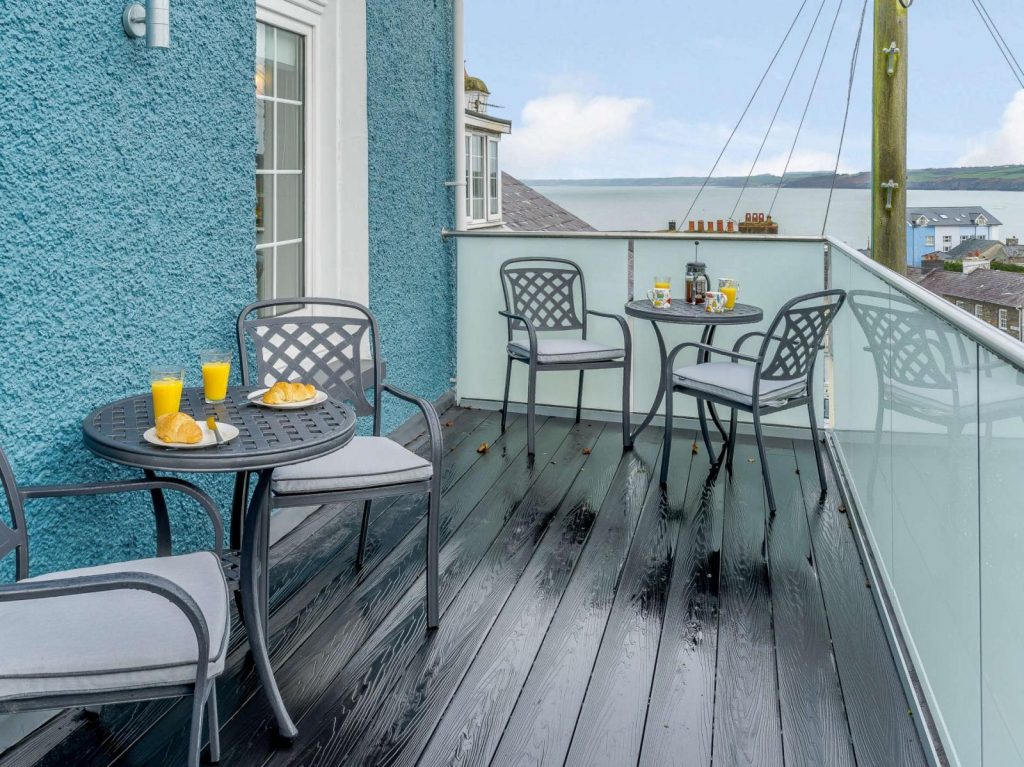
(152, 20)
(893, 53)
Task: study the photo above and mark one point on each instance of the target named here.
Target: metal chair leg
(213, 723)
(531, 410)
(579, 398)
(627, 441)
(363, 530)
(815, 438)
(666, 449)
(195, 738)
(433, 536)
(764, 461)
(705, 433)
(731, 450)
(504, 402)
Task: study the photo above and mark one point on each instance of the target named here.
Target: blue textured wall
(916, 246)
(126, 198)
(412, 272)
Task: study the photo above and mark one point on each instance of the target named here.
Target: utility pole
(889, 136)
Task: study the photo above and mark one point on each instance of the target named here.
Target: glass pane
(264, 208)
(289, 271)
(264, 134)
(289, 207)
(264, 60)
(1001, 454)
(492, 174)
(289, 137)
(289, 65)
(265, 273)
(477, 193)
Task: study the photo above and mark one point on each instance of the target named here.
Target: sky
(646, 88)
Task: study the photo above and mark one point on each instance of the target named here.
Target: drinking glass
(730, 287)
(216, 372)
(165, 383)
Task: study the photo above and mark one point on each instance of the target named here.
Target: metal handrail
(501, 233)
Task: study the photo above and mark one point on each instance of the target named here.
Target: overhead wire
(778, 108)
(846, 113)
(1000, 41)
(807, 106)
(746, 109)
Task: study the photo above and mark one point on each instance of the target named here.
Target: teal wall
(412, 271)
(126, 195)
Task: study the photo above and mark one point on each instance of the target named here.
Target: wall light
(152, 20)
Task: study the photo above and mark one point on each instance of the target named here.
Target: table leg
(238, 499)
(163, 520)
(257, 523)
(660, 395)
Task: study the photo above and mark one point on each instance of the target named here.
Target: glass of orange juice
(730, 288)
(216, 371)
(165, 384)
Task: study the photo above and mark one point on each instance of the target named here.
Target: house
(993, 296)
(942, 229)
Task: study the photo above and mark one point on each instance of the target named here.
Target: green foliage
(953, 266)
(1002, 266)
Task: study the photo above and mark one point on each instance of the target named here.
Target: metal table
(267, 439)
(682, 313)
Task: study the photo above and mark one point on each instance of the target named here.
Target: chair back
(13, 537)
(326, 351)
(795, 336)
(908, 346)
(544, 290)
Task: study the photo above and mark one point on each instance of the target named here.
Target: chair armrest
(129, 486)
(136, 581)
(753, 334)
(623, 325)
(531, 331)
(433, 422)
(713, 349)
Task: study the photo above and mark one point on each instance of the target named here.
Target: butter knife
(211, 424)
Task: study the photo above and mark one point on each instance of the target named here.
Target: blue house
(942, 229)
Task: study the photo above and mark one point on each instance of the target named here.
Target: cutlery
(211, 424)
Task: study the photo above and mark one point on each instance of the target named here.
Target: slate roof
(524, 209)
(987, 285)
(969, 246)
(957, 216)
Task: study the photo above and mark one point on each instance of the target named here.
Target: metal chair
(540, 297)
(327, 351)
(778, 378)
(119, 633)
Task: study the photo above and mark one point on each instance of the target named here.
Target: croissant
(178, 427)
(288, 391)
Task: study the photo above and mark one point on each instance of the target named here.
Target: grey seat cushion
(555, 350)
(735, 381)
(113, 640)
(363, 463)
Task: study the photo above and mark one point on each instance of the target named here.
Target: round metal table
(267, 439)
(682, 313)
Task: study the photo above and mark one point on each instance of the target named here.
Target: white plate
(256, 398)
(227, 431)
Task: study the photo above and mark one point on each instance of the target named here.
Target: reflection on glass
(289, 137)
(289, 268)
(264, 209)
(264, 60)
(288, 57)
(289, 207)
(264, 134)
(264, 273)
(477, 169)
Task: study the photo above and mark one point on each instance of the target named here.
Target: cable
(846, 114)
(728, 141)
(778, 108)
(1001, 44)
(807, 106)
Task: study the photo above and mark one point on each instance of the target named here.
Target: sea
(797, 211)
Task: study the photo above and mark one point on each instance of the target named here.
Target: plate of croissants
(182, 431)
(287, 395)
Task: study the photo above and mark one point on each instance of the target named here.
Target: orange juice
(663, 285)
(730, 295)
(215, 380)
(166, 395)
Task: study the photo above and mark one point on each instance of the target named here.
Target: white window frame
(979, 311)
(490, 217)
(959, 304)
(947, 238)
(929, 240)
(1004, 319)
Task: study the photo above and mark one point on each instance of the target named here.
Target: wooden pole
(889, 136)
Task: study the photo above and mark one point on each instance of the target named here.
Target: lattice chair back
(326, 351)
(13, 536)
(544, 290)
(908, 346)
(796, 335)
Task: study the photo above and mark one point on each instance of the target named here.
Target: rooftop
(526, 209)
(967, 247)
(952, 216)
(588, 617)
(986, 285)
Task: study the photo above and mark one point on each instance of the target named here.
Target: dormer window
(981, 220)
(921, 221)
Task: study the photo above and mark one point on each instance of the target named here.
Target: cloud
(1004, 146)
(568, 135)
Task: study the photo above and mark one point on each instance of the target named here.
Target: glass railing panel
(483, 334)
(769, 273)
(1001, 461)
(861, 423)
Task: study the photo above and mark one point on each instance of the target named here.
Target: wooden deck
(588, 618)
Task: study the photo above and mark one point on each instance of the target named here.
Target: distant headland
(1006, 178)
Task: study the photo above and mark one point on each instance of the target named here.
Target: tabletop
(690, 314)
(267, 438)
